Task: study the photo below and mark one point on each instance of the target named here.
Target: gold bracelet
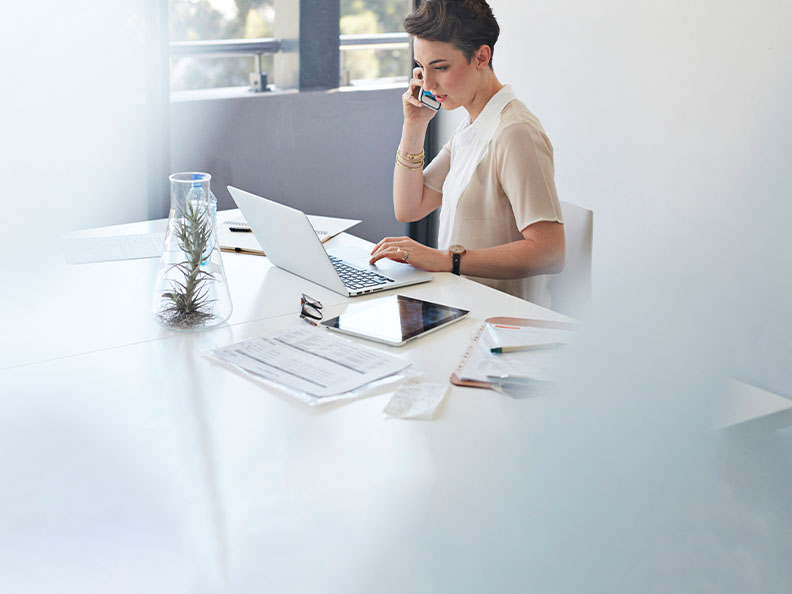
(418, 168)
(418, 163)
(408, 164)
(410, 157)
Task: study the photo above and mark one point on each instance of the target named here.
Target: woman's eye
(442, 68)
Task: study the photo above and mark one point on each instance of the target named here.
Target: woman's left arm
(541, 251)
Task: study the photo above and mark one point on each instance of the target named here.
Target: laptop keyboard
(355, 278)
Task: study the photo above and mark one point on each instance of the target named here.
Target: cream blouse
(496, 177)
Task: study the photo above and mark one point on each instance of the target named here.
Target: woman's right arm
(412, 200)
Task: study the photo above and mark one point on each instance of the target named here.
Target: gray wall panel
(325, 152)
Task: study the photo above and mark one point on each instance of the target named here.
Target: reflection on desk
(130, 459)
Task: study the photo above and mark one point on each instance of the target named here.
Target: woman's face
(447, 74)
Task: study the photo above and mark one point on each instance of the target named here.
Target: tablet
(394, 319)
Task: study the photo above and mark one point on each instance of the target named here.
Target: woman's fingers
(411, 95)
(409, 99)
(416, 82)
(382, 242)
(393, 248)
(391, 241)
(390, 253)
(414, 110)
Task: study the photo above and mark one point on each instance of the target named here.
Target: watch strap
(455, 259)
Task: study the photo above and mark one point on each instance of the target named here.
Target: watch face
(457, 249)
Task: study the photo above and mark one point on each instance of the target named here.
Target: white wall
(72, 131)
(73, 112)
(670, 120)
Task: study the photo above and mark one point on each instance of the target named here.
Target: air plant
(187, 304)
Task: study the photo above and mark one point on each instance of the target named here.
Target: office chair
(570, 290)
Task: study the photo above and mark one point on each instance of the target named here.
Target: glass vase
(191, 290)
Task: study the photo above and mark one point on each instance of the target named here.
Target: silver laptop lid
(290, 242)
(288, 239)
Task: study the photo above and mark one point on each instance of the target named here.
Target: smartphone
(429, 100)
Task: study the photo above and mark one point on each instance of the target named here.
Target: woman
(500, 219)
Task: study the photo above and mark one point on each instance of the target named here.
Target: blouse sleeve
(436, 172)
(524, 161)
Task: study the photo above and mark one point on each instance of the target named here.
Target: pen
(240, 229)
(518, 385)
(513, 379)
(527, 347)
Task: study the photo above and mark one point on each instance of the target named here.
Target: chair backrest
(570, 290)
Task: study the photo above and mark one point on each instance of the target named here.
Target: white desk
(130, 463)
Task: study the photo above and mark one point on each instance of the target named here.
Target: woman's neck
(486, 90)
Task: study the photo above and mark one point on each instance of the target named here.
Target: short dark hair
(468, 24)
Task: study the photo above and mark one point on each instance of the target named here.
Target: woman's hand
(416, 112)
(404, 249)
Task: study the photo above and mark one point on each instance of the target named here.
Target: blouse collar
(487, 121)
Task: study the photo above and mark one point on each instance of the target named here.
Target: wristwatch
(457, 251)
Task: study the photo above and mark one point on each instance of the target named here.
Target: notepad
(479, 361)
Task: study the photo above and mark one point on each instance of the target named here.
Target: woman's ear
(482, 57)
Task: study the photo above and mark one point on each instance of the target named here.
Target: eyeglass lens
(311, 307)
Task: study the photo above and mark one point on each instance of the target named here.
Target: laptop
(290, 242)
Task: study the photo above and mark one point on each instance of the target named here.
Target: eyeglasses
(310, 309)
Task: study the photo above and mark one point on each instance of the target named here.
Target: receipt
(416, 401)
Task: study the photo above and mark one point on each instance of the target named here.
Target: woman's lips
(441, 98)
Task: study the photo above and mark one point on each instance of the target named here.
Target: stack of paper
(310, 363)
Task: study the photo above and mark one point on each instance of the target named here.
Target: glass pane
(363, 66)
(209, 72)
(358, 17)
(212, 20)
(207, 20)
(374, 16)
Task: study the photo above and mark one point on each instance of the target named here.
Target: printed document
(310, 361)
(80, 248)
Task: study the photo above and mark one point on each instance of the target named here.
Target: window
(207, 48)
(212, 21)
(364, 63)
